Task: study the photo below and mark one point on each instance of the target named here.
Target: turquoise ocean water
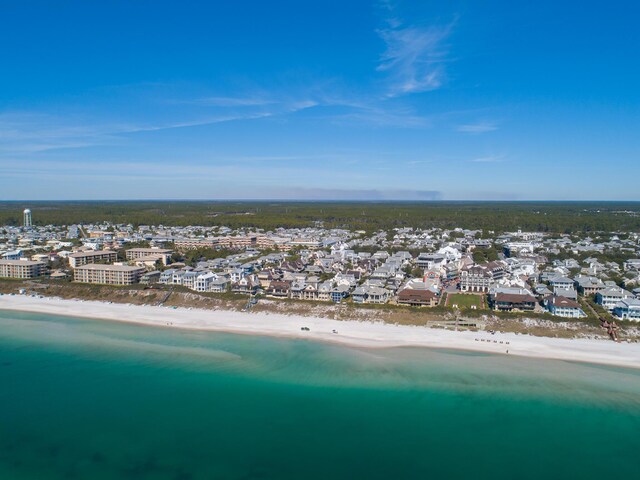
(86, 399)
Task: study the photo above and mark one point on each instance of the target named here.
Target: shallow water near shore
(104, 400)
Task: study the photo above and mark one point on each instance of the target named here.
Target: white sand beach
(354, 333)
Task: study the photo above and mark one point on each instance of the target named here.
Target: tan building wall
(108, 274)
(79, 259)
(21, 269)
(161, 253)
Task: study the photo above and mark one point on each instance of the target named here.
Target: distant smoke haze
(341, 194)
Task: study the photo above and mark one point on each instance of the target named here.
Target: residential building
(512, 301)
(479, 278)
(564, 307)
(79, 259)
(370, 294)
(21, 268)
(204, 281)
(108, 274)
(12, 255)
(589, 286)
(569, 293)
(628, 309)
(632, 264)
(162, 254)
(339, 293)
(561, 283)
(192, 243)
(475, 279)
(279, 289)
(417, 297)
(610, 296)
(430, 261)
(150, 277)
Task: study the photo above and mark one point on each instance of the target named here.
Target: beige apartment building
(161, 254)
(189, 243)
(108, 274)
(21, 268)
(79, 259)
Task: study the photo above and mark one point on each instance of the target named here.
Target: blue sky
(320, 100)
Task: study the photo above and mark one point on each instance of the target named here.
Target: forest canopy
(556, 217)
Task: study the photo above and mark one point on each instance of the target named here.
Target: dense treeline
(560, 217)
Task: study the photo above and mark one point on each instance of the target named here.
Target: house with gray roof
(628, 309)
(609, 297)
(588, 285)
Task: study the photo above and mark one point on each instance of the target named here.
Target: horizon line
(312, 200)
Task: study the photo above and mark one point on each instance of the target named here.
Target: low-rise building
(370, 294)
(108, 274)
(564, 307)
(588, 286)
(610, 296)
(563, 283)
(339, 293)
(151, 277)
(632, 264)
(162, 254)
(11, 255)
(79, 259)
(628, 309)
(417, 297)
(512, 301)
(191, 243)
(21, 268)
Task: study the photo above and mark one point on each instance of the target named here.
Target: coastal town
(542, 275)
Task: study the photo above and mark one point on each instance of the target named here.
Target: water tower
(27, 218)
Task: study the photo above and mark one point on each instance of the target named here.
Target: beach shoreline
(352, 333)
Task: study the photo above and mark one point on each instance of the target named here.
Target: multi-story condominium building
(257, 241)
(309, 243)
(479, 278)
(79, 259)
(21, 268)
(475, 279)
(191, 243)
(162, 254)
(108, 274)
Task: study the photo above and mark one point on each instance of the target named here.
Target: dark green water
(83, 399)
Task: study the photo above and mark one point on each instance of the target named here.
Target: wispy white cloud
(489, 159)
(231, 101)
(29, 132)
(382, 116)
(480, 127)
(415, 55)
